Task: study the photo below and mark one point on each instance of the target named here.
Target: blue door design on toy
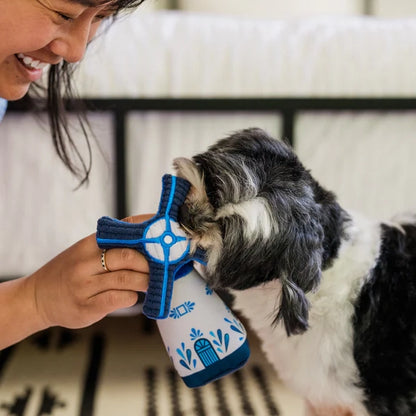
(206, 352)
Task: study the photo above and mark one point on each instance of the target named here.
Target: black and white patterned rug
(119, 367)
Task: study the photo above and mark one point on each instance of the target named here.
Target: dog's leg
(327, 411)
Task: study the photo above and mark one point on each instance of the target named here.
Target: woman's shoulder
(3, 107)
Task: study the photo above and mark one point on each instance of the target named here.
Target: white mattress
(189, 55)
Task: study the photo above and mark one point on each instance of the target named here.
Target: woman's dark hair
(60, 93)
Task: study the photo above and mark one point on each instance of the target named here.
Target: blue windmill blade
(161, 241)
(159, 292)
(174, 192)
(112, 233)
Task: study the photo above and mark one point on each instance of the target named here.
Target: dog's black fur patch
(385, 327)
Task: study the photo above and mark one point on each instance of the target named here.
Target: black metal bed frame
(286, 108)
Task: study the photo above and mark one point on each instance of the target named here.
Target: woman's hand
(73, 290)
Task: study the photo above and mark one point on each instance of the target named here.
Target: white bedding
(184, 54)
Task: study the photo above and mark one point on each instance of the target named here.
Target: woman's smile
(29, 67)
(30, 62)
(49, 32)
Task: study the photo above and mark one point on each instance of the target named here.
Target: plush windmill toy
(204, 340)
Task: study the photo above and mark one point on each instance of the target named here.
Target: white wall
(288, 9)
(150, 5)
(395, 8)
(274, 8)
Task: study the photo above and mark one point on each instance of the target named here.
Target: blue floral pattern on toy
(208, 290)
(195, 334)
(181, 310)
(236, 326)
(186, 357)
(206, 350)
(221, 341)
(209, 337)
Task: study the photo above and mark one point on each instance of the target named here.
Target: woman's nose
(73, 40)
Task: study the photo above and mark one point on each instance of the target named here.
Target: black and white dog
(331, 295)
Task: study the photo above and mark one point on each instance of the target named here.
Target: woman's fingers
(74, 290)
(123, 280)
(111, 300)
(122, 259)
(115, 290)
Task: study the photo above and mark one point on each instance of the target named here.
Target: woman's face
(38, 33)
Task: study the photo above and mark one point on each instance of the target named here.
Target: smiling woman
(72, 290)
(51, 35)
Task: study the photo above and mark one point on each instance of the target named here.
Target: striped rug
(119, 367)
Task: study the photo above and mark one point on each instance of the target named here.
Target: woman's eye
(105, 15)
(64, 16)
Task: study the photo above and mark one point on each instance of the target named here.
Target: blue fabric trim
(3, 108)
(220, 368)
(166, 249)
(112, 242)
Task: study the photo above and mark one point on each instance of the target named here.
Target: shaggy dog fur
(331, 295)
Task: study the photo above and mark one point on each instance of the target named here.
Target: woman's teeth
(30, 62)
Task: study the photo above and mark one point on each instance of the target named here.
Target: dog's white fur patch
(319, 364)
(256, 215)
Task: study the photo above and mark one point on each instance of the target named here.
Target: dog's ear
(300, 274)
(197, 214)
(187, 169)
